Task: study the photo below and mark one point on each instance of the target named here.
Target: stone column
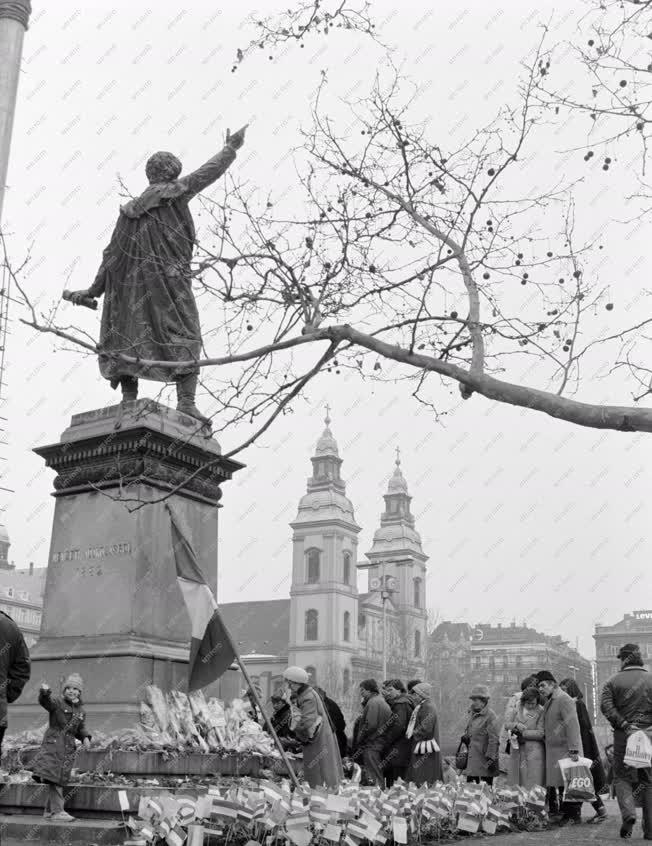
(113, 610)
(14, 16)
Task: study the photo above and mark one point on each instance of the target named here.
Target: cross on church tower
(398, 456)
(327, 421)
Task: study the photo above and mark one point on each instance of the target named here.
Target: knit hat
(480, 691)
(74, 680)
(423, 690)
(297, 675)
(545, 675)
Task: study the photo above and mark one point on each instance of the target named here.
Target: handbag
(462, 756)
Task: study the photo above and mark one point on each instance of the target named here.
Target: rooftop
(26, 582)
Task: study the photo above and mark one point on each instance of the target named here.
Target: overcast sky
(523, 517)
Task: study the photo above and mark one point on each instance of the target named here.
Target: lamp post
(14, 16)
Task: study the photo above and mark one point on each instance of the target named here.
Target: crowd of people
(396, 736)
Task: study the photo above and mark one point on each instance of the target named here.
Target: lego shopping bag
(578, 781)
(639, 751)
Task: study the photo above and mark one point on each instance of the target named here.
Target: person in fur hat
(53, 763)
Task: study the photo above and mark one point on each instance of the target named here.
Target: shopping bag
(461, 756)
(638, 753)
(578, 781)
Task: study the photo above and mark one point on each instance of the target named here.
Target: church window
(346, 681)
(417, 644)
(362, 621)
(346, 568)
(313, 674)
(393, 506)
(312, 625)
(313, 566)
(417, 593)
(347, 626)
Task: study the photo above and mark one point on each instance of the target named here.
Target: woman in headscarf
(590, 747)
(423, 730)
(481, 737)
(311, 726)
(527, 757)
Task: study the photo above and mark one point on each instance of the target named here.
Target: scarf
(413, 721)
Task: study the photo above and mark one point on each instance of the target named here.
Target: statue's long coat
(149, 309)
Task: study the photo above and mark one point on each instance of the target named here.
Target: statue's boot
(129, 387)
(186, 391)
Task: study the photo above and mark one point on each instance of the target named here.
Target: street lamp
(387, 586)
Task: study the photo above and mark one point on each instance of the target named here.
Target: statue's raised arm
(211, 170)
(149, 311)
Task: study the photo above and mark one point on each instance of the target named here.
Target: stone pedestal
(113, 610)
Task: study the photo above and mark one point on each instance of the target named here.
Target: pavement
(576, 835)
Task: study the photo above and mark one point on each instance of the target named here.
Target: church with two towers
(337, 632)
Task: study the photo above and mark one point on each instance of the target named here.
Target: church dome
(396, 536)
(397, 483)
(325, 504)
(326, 445)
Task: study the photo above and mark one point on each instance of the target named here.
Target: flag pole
(268, 722)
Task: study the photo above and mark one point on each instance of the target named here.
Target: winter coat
(627, 701)
(483, 731)
(562, 734)
(376, 717)
(55, 758)
(590, 746)
(425, 769)
(527, 764)
(398, 748)
(322, 764)
(14, 664)
(338, 724)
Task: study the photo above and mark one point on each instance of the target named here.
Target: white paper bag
(639, 751)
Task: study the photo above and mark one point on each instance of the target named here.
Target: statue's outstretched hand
(76, 297)
(237, 139)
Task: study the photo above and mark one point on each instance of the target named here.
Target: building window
(312, 625)
(347, 626)
(417, 593)
(505, 661)
(362, 621)
(313, 566)
(346, 568)
(478, 662)
(417, 644)
(492, 663)
(312, 673)
(346, 681)
(519, 661)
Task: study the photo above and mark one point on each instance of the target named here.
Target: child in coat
(53, 763)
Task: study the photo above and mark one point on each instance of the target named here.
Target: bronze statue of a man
(149, 309)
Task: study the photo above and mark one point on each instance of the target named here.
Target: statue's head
(162, 167)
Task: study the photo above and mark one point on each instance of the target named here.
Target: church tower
(324, 592)
(397, 565)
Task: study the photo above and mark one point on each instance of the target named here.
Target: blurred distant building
(461, 656)
(633, 628)
(21, 592)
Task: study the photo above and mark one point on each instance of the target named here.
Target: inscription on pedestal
(93, 553)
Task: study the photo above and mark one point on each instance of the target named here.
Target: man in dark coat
(398, 747)
(149, 309)
(14, 667)
(626, 702)
(376, 716)
(410, 691)
(338, 722)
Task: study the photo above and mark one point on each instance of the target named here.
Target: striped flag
(211, 651)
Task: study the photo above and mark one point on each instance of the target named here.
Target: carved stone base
(113, 610)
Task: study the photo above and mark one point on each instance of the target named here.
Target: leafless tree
(406, 259)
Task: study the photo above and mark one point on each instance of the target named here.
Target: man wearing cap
(562, 740)
(626, 702)
(481, 737)
(310, 724)
(375, 722)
